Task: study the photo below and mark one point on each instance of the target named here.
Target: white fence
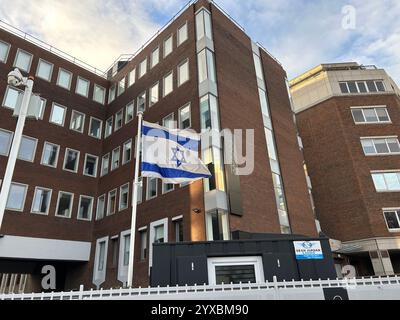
(374, 288)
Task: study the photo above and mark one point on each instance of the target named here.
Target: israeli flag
(171, 154)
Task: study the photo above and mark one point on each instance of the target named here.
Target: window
(121, 87)
(129, 112)
(12, 98)
(82, 87)
(119, 120)
(5, 142)
(131, 77)
(127, 244)
(4, 50)
(143, 244)
(206, 66)
(112, 202)
(140, 190)
(99, 94)
(50, 154)
(203, 25)
(141, 102)
(182, 34)
(27, 149)
(105, 164)
(111, 94)
(183, 72)
(58, 114)
(217, 226)
(167, 187)
(16, 197)
(168, 84)
(123, 197)
(151, 188)
(168, 46)
(101, 206)
(386, 181)
(64, 79)
(90, 166)
(158, 234)
(77, 121)
(127, 152)
(209, 118)
(143, 68)
(392, 218)
(41, 201)
(115, 158)
(114, 253)
(235, 270)
(380, 146)
(23, 60)
(64, 204)
(101, 261)
(184, 117)
(95, 128)
(71, 160)
(370, 115)
(109, 127)
(362, 86)
(169, 122)
(178, 227)
(44, 70)
(153, 94)
(85, 208)
(155, 57)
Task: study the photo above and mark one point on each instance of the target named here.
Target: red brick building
(348, 117)
(71, 198)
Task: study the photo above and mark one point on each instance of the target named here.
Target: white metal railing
(360, 288)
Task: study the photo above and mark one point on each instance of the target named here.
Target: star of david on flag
(171, 154)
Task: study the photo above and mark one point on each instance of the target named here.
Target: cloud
(300, 33)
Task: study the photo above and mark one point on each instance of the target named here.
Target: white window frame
(103, 100)
(107, 155)
(165, 53)
(51, 70)
(120, 197)
(373, 143)
(121, 113)
(164, 191)
(112, 92)
(106, 134)
(8, 51)
(104, 209)
(151, 234)
(179, 41)
(10, 142)
(108, 213)
(91, 208)
(6, 94)
(30, 60)
(256, 261)
(77, 160)
(186, 61)
(132, 103)
(64, 116)
(152, 64)
(385, 172)
(173, 119)
(121, 89)
(58, 153)
(70, 78)
(384, 210)
(141, 64)
(124, 151)
(24, 199)
(71, 205)
(90, 127)
(190, 117)
(79, 78)
(83, 121)
(158, 94)
(171, 73)
(96, 168)
(34, 197)
(34, 149)
(99, 276)
(112, 159)
(145, 100)
(362, 108)
(130, 80)
(148, 197)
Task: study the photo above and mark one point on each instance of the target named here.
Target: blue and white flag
(171, 154)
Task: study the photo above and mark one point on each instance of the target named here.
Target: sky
(299, 33)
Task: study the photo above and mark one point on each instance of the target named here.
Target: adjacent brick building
(201, 71)
(348, 117)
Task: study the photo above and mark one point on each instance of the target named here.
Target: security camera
(15, 78)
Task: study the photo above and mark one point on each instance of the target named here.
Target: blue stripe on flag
(170, 172)
(188, 143)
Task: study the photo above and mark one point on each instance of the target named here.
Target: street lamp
(16, 79)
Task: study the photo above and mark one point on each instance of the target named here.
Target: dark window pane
(380, 86)
(391, 219)
(352, 87)
(382, 114)
(217, 231)
(371, 86)
(362, 87)
(235, 274)
(358, 115)
(343, 87)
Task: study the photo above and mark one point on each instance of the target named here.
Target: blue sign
(308, 250)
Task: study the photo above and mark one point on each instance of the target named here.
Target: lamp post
(16, 79)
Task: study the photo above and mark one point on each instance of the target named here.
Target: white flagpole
(134, 203)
